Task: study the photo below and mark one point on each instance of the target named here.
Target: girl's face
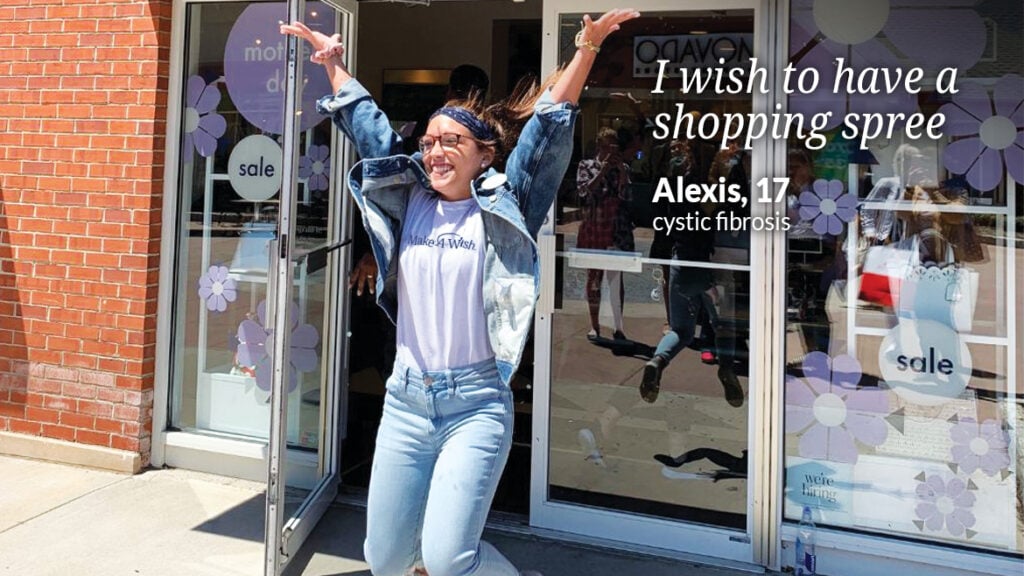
(452, 169)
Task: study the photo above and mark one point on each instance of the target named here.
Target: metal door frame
(758, 545)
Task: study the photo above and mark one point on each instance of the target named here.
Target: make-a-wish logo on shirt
(450, 240)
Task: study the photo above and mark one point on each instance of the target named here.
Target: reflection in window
(902, 372)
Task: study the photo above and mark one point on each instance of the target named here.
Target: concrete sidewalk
(58, 520)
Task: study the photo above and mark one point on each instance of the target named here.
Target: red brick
(97, 378)
(48, 328)
(112, 426)
(111, 395)
(58, 432)
(83, 302)
(79, 361)
(99, 348)
(91, 437)
(57, 343)
(77, 420)
(65, 315)
(12, 410)
(130, 382)
(62, 12)
(126, 413)
(102, 408)
(125, 443)
(41, 415)
(59, 403)
(99, 319)
(112, 365)
(44, 356)
(81, 25)
(77, 390)
(44, 26)
(46, 386)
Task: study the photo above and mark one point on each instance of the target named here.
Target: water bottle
(805, 562)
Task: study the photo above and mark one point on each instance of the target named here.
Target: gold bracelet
(581, 43)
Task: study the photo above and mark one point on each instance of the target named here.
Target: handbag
(884, 268)
(252, 253)
(946, 293)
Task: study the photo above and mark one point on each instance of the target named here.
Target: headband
(476, 127)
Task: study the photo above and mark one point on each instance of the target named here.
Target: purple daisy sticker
(827, 207)
(943, 502)
(823, 30)
(982, 446)
(991, 138)
(217, 289)
(256, 344)
(202, 126)
(315, 166)
(830, 412)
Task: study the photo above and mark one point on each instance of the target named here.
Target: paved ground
(59, 520)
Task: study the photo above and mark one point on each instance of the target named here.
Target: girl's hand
(364, 275)
(325, 48)
(596, 31)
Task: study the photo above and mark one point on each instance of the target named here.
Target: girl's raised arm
(570, 84)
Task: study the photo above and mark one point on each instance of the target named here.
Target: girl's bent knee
(450, 565)
(387, 562)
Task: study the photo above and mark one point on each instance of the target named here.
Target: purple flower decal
(984, 446)
(942, 502)
(256, 344)
(203, 126)
(991, 138)
(830, 411)
(314, 166)
(823, 30)
(827, 206)
(217, 289)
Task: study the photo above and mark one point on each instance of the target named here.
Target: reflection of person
(452, 238)
(603, 186)
(724, 161)
(911, 169)
(677, 163)
(687, 300)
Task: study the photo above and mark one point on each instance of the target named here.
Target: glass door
(645, 432)
(233, 146)
(305, 294)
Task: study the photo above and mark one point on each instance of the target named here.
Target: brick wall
(83, 94)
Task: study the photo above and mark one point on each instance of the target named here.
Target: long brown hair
(507, 117)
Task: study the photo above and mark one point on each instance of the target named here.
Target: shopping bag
(945, 293)
(252, 253)
(882, 272)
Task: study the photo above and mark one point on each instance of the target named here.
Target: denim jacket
(513, 207)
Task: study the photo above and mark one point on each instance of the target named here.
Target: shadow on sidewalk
(338, 537)
(244, 521)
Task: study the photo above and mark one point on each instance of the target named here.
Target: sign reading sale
(925, 362)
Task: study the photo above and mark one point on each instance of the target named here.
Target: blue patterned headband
(476, 127)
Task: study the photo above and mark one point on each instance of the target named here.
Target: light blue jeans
(442, 444)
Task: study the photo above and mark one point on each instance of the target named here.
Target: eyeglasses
(449, 141)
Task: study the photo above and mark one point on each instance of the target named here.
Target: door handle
(317, 257)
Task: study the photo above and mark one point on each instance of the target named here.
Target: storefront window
(229, 182)
(631, 288)
(904, 266)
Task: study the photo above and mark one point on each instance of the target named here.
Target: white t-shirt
(441, 321)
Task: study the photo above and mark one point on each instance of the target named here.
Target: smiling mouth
(440, 169)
